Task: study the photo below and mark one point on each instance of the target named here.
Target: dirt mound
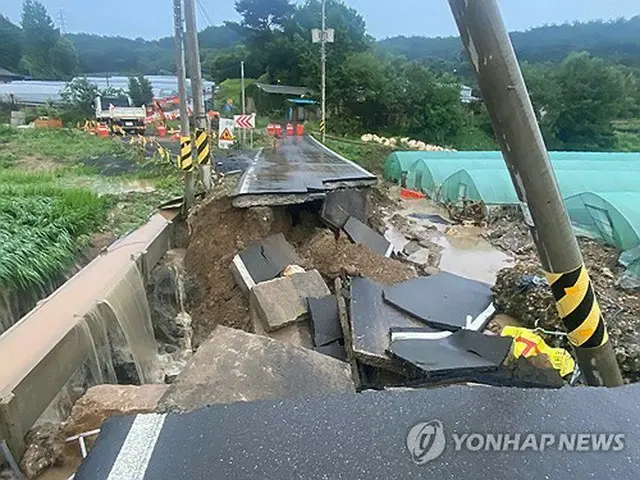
(332, 255)
(219, 232)
(523, 293)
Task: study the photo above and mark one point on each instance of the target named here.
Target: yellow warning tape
(186, 159)
(202, 146)
(578, 307)
(323, 126)
(528, 344)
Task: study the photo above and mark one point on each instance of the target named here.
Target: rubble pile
(523, 293)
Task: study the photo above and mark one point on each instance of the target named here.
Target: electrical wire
(204, 13)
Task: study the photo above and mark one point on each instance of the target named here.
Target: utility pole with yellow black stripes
(202, 140)
(185, 159)
(495, 65)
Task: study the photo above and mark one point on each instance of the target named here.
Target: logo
(426, 441)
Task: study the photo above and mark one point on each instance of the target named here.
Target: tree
(264, 15)
(40, 36)
(78, 99)
(592, 97)
(10, 44)
(64, 58)
(140, 91)
(134, 91)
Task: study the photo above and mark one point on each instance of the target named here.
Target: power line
(205, 13)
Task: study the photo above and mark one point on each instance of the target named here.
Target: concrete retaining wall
(41, 352)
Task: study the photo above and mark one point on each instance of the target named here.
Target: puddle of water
(465, 252)
(474, 260)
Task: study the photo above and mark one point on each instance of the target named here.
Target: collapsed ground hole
(219, 231)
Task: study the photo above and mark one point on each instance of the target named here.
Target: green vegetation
(37, 48)
(616, 40)
(368, 155)
(584, 77)
(53, 197)
(231, 88)
(42, 226)
(140, 91)
(65, 146)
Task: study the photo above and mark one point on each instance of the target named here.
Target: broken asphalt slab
(365, 436)
(338, 206)
(325, 323)
(263, 261)
(371, 319)
(235, 366)
(443, 300)
(361, 233)
(454, 356)
(334, 349)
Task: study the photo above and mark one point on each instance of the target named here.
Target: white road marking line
(250, 175)
(134, 456)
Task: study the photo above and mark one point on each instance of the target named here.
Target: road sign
(245, 122)
(329, 35)
(225, 133)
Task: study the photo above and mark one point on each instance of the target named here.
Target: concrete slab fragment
(310, 285)
(442, 301)
(325, 324)
(342, 204)
(359, 232)
(277, 303)
(298, 334)
(335, 350)
(265, 260)
(458, 356)
(235, 366)
(371, 320)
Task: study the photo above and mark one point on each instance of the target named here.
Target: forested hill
(618, 41)
(117, 54)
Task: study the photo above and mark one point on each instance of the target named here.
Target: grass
(369, 155)
(56, 144)
(52, 199)
(42, 226)
(628, 135)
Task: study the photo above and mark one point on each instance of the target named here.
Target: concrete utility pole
(494, 62)
(195, 72)
(244, 103)
(323, 54)
(185, 162)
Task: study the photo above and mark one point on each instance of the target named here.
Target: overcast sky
(152, 18)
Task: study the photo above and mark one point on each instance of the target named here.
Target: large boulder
(103, 401)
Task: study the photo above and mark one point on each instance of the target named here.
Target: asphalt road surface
(300, 165)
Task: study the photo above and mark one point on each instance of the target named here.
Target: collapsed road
(298, 169)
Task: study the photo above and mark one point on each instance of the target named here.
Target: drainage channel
(72, 336)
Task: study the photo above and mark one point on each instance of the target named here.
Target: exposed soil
(334, 254)
(218, 231)
(32, 163)
(523, 293)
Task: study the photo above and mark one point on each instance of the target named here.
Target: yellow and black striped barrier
(323, 126)
(186, 158)
(578, 308)
(203, 147)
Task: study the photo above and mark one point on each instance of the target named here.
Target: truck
(121, 112)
